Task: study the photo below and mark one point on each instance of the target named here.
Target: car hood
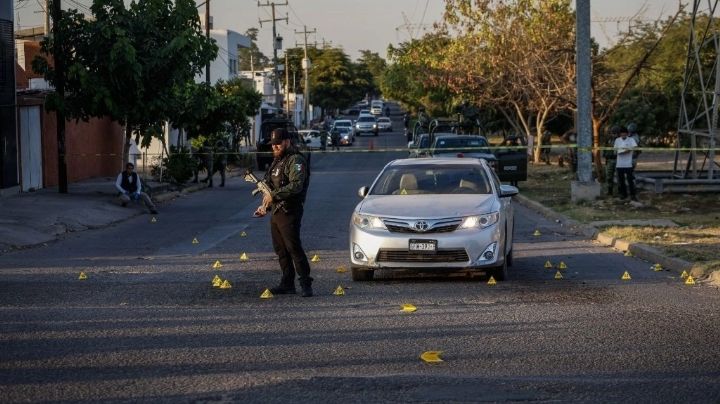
(486, 156)
(426, 206)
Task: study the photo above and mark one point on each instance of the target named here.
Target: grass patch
(696, 239)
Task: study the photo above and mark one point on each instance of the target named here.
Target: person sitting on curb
(130, 188)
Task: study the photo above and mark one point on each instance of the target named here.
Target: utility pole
(287, 87)
(59, 63)
(207, 34)
(584, 188)
(47, 18)
(306, 68)
(277, 42)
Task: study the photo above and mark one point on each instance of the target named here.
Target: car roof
(440, 161)
(343, 120)
(383, 118)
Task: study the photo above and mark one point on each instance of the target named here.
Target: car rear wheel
(362, 274)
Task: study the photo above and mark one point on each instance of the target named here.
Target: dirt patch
(696, 238)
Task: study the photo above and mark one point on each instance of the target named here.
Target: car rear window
(366, 119)
(432, 179)
(342, 123)
(462, 144)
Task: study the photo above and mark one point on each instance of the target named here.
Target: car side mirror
(507, 191)
(363, 191)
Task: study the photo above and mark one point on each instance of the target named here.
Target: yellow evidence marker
(153, 220)
(217, 264)
(684, 275)
(195, 241)
(537, 233)
(243, 234)
(628, 253)
(408, 308)
(562, 265)
(339, 291)
(548, 264)
(225, 285)
(216, 282)
(82, 276)
(315, 258)
(657, 267)
(341, 270)
(626, 276)
(558, 275)
(243, 257)
(431, 356)
(690, 280)
(491, 281)
(403, 192)
(266, 294)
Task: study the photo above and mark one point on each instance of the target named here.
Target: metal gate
(30, 148)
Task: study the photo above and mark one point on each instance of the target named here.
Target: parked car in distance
(384, 124)
(339, 123)
(442, 215)
(346, 135)
(421, 147)
(452, 145)
(366, 124)
(364, 112)
(313, 138)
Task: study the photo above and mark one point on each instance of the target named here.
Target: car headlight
(367, 221)
(480, 221)
(374, 126)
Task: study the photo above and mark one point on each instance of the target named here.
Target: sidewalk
(33, 218)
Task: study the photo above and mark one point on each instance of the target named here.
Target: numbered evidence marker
(548, 264)
(315, 258)
(339, 291)
(626, 276)
(537, 233)
(684, 275)
(216, 282)
(266, 294)
(491, 281)
(341, 270)
(690, 280)
(82, 276)
(243, 234)
(195, 241)
(558, 275)
(657, 267)
(225, 285)
(408, 308)
(243, 257)
(217, 264)
(431, 356)
(153, 220)
(562, 265)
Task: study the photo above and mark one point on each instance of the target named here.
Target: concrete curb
(639, 250)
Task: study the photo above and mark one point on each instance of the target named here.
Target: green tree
(127, 61)
(331, 79)
(252, 58)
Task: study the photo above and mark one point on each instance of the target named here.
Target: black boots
(306, 290)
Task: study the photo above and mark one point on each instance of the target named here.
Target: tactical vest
(131, 187)
(278, 181)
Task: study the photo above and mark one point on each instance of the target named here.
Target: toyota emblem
(421, 225)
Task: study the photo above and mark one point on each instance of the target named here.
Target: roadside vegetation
(696, 237)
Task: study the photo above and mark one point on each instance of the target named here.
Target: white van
(376, 107)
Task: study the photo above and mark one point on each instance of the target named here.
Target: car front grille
(439, 229)
(449, 255)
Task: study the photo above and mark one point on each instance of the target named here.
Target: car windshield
(432, 179)
(342, 123)
(461, 144)
(344, 129)
(366, 119)
(384, 120)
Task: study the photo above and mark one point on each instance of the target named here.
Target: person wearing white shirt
(624, 146)
(130, 187)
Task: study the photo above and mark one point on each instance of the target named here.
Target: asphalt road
(147, 326)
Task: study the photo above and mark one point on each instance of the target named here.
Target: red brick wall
(94, 149)
(23, 74)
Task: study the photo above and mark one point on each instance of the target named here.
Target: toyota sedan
(442, 214)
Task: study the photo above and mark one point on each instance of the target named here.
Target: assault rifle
(260, 187)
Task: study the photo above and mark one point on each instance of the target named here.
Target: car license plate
(429, 246)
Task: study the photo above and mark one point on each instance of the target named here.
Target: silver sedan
(444, 214)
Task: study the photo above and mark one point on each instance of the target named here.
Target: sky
(367, 24)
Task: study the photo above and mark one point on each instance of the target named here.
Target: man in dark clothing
(288, 178)
(130, 187)
(610, 160)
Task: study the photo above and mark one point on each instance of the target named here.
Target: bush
(179, 166)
